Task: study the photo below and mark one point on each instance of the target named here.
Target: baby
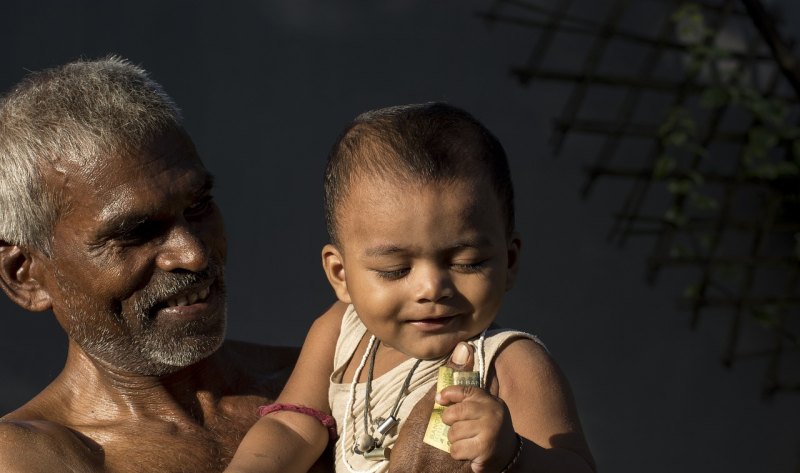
(420, 213)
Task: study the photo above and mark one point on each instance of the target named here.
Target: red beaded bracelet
(325, 419)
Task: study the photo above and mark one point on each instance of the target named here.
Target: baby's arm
(533, 391)
(287, 441)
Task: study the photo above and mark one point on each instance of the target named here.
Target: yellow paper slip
(436, 433)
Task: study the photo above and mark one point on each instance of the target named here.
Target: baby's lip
(433, 318)
(434, 324)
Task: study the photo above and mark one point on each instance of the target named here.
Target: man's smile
(188, 298)
(198, 301)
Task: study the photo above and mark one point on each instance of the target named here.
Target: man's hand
(535, 391)
(480, 428)
(410, 454)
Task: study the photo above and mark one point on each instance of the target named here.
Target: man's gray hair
(81, 111)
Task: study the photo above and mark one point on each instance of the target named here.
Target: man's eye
(392, 274)
(199, 208)
(142, 232)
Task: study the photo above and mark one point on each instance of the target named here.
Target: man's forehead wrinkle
(124, 202)
(118, 206)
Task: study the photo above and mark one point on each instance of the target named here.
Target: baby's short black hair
(419, 143)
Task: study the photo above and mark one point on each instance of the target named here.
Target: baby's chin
(434, 352)
(423, 353)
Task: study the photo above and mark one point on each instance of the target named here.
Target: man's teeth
(187, 299)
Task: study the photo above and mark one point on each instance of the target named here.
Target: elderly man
(107, 219)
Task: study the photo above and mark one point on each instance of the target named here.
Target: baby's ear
(333, 264)
(513, 248)
(21, 277)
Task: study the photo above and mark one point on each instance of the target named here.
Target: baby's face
(426, 266)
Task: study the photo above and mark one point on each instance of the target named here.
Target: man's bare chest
(167, 448)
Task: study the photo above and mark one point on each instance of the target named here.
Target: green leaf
(676, 138)
(731, 273)
(760, 141)
(679, 251)
(692, 291)
(764, 109)
(764, 171)
(679, 186)
(675, 216)
(703, 202)
(664, 166)
(697, 150)
(686, 121)
(705, 241)
(690, 25)
(763, 137)
(790, 133)
(714, 97)
(667, 125)
(678, 119)
(787, 169)
(768, 315)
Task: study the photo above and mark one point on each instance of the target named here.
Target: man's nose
(183, 249)
(433, 284)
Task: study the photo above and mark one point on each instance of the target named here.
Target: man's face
(138, 256)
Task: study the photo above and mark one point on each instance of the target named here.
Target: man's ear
(333, 264)
(514, 246)
(19, 277)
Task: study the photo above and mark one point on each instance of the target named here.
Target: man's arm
(45, 447)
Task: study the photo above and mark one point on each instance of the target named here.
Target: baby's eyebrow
(383, 250)
(388, 250)
(477, 242)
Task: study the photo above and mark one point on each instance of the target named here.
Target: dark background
(265, 88)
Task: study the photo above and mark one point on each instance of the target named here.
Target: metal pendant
(364, 445)
(382, 426)
(378, 454)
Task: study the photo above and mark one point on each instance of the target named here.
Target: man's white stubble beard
(134, 342)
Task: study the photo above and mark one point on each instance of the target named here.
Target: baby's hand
(480, 428)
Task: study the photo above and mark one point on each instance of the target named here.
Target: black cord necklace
(368, 445)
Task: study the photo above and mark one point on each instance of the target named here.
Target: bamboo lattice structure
(742, 251)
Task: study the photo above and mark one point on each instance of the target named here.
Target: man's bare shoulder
(40, 446)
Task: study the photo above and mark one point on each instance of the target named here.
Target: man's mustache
(166, 285)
